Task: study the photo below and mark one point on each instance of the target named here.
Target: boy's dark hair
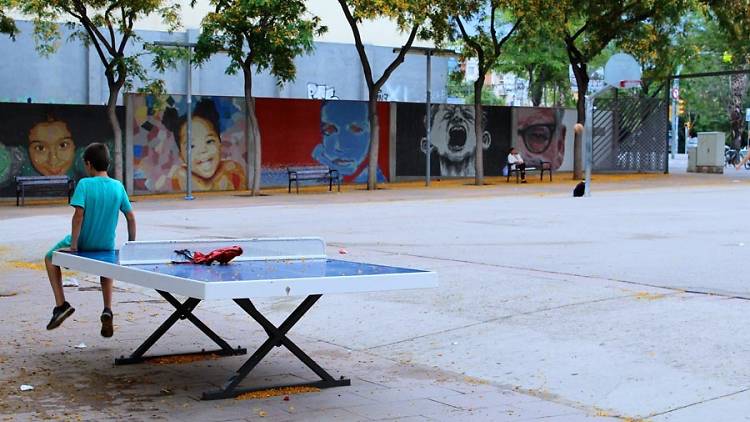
(98, 155)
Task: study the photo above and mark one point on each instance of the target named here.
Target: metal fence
(630, 134)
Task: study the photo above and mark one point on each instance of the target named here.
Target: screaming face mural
(453, 139)
(345, 131)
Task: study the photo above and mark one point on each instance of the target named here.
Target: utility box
(710, 154)
(692, 155)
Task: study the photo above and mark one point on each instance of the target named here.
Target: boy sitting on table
(97, 200)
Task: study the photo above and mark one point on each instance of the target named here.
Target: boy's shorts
(63, 244)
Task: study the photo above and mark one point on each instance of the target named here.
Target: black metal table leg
(183, 310)
(276, 337)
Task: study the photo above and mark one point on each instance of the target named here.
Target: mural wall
(293, 132)
(159, 142)
(545, 134)
(453, 140)
(48, 140)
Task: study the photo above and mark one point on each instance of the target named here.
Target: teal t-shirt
(102, 199)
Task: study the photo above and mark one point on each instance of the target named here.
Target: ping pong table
(269, 267)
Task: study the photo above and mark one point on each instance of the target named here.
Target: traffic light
(681, 107)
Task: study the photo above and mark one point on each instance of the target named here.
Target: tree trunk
(536, 85)
(372, 165)
(738, 85)
(114, 91)
(252, 135)
(580, 70)
(478, 131)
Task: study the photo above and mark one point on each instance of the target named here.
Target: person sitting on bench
(516, 163)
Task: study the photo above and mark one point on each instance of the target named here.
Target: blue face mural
(346, 136)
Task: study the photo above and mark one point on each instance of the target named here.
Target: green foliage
(105, 25)
(430, 17)
(268, 34)
(537, 55)
(7, 24)
(733, 18)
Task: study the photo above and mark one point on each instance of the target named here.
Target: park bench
(43, 184)
(541, 167)
(315, 173)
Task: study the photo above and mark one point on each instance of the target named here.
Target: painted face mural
(51, 148)
(453, 152)
(345, 140)
(541, 135)
(454, 139)
(161, 144)
(48, 139)
(346, 136)
(206, 148)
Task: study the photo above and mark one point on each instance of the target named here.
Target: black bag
(580, 189)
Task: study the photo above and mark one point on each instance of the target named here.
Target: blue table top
(257, 270)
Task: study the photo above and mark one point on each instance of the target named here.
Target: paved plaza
(628, 305)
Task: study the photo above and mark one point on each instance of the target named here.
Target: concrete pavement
(627, 305)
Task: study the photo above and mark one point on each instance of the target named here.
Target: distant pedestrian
(516, 163)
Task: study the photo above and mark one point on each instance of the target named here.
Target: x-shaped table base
(276, 337)
(183, 310)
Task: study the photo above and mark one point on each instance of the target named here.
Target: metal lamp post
(189, 153)
(428, 52)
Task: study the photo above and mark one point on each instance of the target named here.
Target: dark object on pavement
(580, 189)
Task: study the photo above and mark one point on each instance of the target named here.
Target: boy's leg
(55, 280)
(107, 291)
(106, 318)
(62, 309)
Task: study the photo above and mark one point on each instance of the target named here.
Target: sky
(378, 32)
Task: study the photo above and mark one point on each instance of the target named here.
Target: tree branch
(358, 44)
(499, 46)
(399, 59)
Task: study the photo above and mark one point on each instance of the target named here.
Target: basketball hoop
(630, 83)
(622, 71)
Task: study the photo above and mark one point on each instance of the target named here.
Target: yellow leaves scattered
(647, 296)
(166, 360)
(274, 392)
(34, 266)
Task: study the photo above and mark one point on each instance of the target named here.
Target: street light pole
(189, 153)
(428, 119)
(428, 52)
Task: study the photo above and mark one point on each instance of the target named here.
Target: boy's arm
(75, 230)
(130, 217)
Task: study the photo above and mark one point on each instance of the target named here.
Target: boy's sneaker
(106, 318)
(59, 313)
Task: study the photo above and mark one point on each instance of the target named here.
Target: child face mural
(346, 136)
(541, 135)
(206, 148)
(51, 148)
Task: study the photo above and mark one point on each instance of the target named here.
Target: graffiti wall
(453, 140)
(48, 140)
(159, 142)
(545, 134)
(293, 133)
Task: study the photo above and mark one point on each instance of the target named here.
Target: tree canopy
(7, 24)
(257, 35)
(108, 27)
